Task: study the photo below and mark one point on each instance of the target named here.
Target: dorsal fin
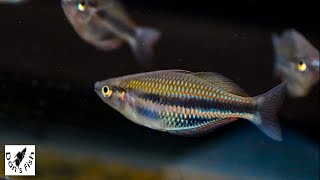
(222, 82)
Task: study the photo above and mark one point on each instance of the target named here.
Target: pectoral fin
(108, 45)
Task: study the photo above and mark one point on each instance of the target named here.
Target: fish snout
(97, 86)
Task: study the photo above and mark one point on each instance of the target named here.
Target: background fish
(13, 1)
(106, 25)
(296, 61)
(186, 103)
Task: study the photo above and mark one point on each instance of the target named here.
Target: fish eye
(82, 6)
(302, 66)
(106, 91)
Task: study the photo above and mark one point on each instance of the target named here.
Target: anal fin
(198, 131)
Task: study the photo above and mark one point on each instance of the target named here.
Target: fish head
(297, 62)
(79, 12)
(112, 93)
(301, 75)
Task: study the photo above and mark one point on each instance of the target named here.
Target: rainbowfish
(296, 61)
(13, 1)
(106, 25)
(190, 104)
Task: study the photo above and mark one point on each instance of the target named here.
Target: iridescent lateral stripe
(202, 129)
(177, 87)
(176, 118)
(182, 103)
(184, 119)
(213, 105)
(196, 95)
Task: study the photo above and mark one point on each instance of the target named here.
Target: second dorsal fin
(222, 82)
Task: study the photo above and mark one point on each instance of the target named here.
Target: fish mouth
(97, 86)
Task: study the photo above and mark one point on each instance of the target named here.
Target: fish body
(106, 25)
(189, 104)
(13, 1)
(296, 61)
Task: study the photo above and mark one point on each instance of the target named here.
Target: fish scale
(198, 103)
(188, 104)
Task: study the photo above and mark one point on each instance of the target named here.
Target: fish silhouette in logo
(19, 157)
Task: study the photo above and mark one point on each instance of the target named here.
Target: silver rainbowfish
(185, 103)
(106, 25)
(296, 61)
(13, 1)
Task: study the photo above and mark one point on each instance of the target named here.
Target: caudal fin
(143, 45)
(268, 105)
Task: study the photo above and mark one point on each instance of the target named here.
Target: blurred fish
(13, 1)
(189, 104)
(106, 25)
(296, 61)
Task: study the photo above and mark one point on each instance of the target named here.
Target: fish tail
(143, 45)
(268, 105)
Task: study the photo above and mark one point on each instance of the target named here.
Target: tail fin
(143, 46)
(268, 105)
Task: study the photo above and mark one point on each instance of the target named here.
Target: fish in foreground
(106, 25)
(189, 104)
(296, 61)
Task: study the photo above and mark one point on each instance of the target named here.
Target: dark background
(47, 72)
